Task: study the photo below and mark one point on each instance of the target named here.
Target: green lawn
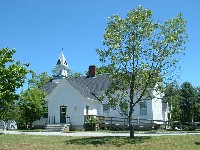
(24, 142)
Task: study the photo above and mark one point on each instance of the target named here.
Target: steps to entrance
(57, 127)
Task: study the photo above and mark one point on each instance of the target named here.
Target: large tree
(31, 103)
(140, 53)
(183, 101)
(189, 103)
(31, 106)
(12, 77)
(172, 97)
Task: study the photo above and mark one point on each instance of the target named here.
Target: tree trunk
(30, 125)
(131, 129)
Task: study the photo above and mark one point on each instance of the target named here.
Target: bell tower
(61, 68)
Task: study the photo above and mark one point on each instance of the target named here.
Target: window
(106, 107)
(45, 115)
(63, 110)
(87, 110)
(143, 108)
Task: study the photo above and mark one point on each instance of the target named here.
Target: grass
(23, 142)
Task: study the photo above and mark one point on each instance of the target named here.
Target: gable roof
(86, 86)
(48, 87)
(94, 84)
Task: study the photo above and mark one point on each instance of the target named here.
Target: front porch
(64, 120)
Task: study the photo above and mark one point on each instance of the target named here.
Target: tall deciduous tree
(12, 77)
(32, 101)
(31, 106)
(183, 101)
(140, 53)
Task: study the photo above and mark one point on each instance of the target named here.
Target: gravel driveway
(96, 134)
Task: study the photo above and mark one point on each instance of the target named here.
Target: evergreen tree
(188, 102)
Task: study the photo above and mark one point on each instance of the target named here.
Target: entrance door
(63, 114)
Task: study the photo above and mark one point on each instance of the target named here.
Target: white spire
(62, 59)
(61, 68)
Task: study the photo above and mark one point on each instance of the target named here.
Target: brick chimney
(92, 71)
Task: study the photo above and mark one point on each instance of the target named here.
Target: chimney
(92, 71)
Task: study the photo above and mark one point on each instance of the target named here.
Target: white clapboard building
(70, 100)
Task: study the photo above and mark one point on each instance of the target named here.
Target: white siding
(157, 106)
(95, 107)
(165, 111)
(136, 113)
(65, 94)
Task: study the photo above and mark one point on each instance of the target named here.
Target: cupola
(61, 68)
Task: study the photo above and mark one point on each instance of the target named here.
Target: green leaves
(12, 77)
(32, 101)
(6, 56)
(183, 101)
(140, 53)
(31, 105)
(38, 80)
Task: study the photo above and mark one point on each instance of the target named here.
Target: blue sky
(39, 29)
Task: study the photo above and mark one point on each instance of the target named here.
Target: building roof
(87, 86)
(48, 87)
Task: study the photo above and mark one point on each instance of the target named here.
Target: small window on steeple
(59, 62)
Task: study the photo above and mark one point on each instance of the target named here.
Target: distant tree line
(183, 101)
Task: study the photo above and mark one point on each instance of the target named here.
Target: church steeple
(61, 68)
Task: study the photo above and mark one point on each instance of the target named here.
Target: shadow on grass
(115, 141)
(197, 143)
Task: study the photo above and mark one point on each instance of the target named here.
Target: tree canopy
(172, 97)
(37, 80)
(188, 103)
(31, 106)
(31, 103)
(183, 101)
(12, 77)
(139, 53)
